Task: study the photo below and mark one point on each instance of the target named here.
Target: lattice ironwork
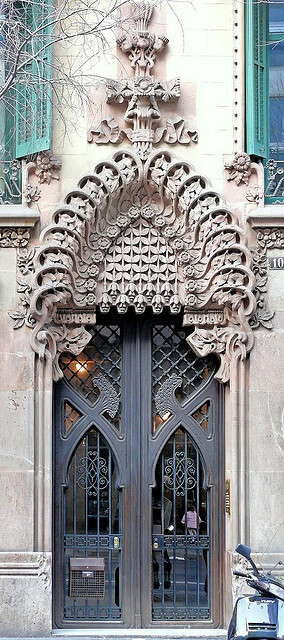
(176, 370)
(274, 170)
(71, 416)
(10, 182)
(96, 372)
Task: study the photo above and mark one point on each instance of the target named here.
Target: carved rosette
(144, 236)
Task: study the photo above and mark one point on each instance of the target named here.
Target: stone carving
(108, 395)
(164, 398)
(259, 266)
(267, 238)
(239, 168)
(31, 194)
(174, 130)
(47, 167)
(254, 194)
(142, 93)
(14, 237)
(140, 269)
(75, 316)
(271, 238)
(153, 235)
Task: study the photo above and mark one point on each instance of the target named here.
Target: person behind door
(191, 519)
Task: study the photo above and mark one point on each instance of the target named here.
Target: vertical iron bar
(187, 548)
(86, 508)
(197, 531)
(110, 582)
(75, 518)
(163, 532)
(175, 524)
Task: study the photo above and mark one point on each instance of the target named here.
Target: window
(265, 90)
(25, 112)
(33, 92)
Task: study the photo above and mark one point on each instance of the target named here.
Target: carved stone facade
(153, 235)
(142, 93)
(144, 232)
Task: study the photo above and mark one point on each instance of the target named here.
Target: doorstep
(141, 634)
(129, 634)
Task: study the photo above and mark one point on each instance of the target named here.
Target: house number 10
(276, 263)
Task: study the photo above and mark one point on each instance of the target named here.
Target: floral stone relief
(143, 93)
(142, 235)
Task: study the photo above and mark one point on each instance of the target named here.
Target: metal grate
(176, 370)
(10, 182)
(87, 578)
(96, 372)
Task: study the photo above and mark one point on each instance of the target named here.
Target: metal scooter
(259, 616)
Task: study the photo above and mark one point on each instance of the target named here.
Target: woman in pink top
(191, 518)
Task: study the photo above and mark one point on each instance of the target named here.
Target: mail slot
(87, 577)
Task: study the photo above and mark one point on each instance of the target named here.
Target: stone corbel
(16, 222)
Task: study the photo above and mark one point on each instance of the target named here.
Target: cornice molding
(17, 215)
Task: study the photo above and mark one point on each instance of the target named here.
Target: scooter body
(258, 617)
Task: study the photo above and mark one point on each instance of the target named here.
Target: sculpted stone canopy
(144, 235)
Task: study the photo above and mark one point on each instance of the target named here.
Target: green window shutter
(34, 108)
(257, 77)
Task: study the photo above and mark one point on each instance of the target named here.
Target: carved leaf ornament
(143, 235)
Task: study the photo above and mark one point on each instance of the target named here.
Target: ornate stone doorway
(137, 445)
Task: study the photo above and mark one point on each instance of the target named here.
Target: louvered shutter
(257, 78)
(33, 91)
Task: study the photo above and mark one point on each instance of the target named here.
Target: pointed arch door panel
(137, 479)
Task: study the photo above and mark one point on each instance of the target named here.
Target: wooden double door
(138, 480)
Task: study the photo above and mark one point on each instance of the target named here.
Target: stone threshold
(140, 634)
(128, 634)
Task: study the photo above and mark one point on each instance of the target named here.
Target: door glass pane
(92, 529)
(96, 372)
(177, 372)
(181, 549)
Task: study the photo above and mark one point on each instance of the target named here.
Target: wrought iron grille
(176, 370)
(181, 541)
(96, 372)
(10, 182)
(92, 529)
(274, 172)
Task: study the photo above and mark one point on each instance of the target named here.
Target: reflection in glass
(180, 560)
